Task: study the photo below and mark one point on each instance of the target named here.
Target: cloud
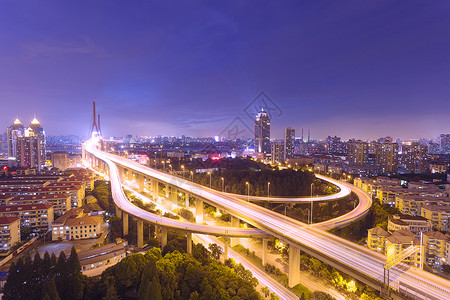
(83, 45)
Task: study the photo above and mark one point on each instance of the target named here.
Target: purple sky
(361, 69)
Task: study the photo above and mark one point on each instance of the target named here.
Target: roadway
(355, 260)
(344, 191)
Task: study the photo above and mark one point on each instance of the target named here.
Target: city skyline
(354, 70)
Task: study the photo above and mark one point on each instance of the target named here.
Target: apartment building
(438, 214)
(435, 248)
(76, 224)
(60, 202)
(37, 216)
(414, 224)
(376, 239)
(9, 233)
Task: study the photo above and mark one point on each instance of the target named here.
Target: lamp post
(155, 163)
(312, 184)
(164, 165)
(192, 176)
(248, 191)
(182, 168)
(223, 182)
(268, 189)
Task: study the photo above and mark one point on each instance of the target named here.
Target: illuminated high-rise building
(357, 153)
(387, 157)
(278, 152)
(444, 144)
(289, 139)
(414, 157)
(27, 145)
(12, 133)
(262, 132)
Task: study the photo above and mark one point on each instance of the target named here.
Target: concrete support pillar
(294, 265)
(167, 191)
(130, 175)
(234, 223)
(163, 237)
(189, 243)
(264, 255)
(120, 169)
(155, 189)
(140, 233)
(118, 212)
(198, 210)
(225, 250)
(140, 180)
(125, 223)
(174, 198)
(187, 197)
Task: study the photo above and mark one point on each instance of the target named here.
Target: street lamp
(155, 163)
(223, 181)
(164, 165)
(192, 176)
(248, 191)
(182, 167)
(268, 189)
(171, 169)
(312, 184)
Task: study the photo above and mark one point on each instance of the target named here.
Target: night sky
(362, 69)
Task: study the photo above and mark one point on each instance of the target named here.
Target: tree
(49, 290)
(128, 272)
(318, 295)
(265, 290)
(111, 293)
(150, 288)
(216, 251)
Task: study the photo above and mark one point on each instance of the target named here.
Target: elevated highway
(357, 261)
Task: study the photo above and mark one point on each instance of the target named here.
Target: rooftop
(7, 220)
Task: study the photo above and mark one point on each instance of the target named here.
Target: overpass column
(140, 180)
(163, 237)
(140, 233)
(125, 223)
(187, 197)
(118, 212)
(198, 210)
(189, 243)
(264, 256)
(225, 250)
(120, 170)
(174, 198)
(155, 187)
(167, 191)
(294, 265)
(130, 174)
(234, 223)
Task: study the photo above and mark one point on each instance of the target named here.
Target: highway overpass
(357, 261)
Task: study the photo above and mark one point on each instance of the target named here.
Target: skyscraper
(27, 145)
(12, 133)
(387, 157)
(289, 139)
(262, 132)
(357, 153)
(277, 152)
(444, 144)
(414, 157)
